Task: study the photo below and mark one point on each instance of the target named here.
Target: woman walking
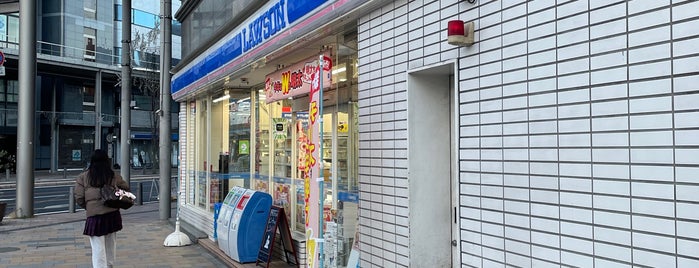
(102, 222)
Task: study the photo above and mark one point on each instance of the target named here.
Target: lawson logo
(271, 20)
(266, 25)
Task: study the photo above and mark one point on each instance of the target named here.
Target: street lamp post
(164, 113)
(125, 89)
(25, 120)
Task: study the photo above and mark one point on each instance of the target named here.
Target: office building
(77, 84)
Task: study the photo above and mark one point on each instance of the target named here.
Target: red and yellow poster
(296, 79)
(312, 174)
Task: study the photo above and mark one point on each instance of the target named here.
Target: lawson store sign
(265, 25)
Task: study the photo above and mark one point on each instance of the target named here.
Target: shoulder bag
(116, 198)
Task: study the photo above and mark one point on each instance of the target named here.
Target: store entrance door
(432, 180)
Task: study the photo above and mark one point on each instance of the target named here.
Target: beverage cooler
(241, 223)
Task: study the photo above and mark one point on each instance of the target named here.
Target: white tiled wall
(579, 130)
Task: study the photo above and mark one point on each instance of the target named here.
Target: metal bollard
(7, 174)
(64, 173)
(71, 200)
(139, 193)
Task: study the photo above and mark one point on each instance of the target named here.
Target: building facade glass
(78, 45)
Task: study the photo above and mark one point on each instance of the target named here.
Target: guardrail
(138, 192)
(146, 191)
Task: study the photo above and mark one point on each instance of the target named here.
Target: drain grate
(8, 249)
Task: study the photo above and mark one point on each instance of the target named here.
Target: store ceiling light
(222, 98)
(339, 70)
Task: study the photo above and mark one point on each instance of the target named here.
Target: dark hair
(100, 171)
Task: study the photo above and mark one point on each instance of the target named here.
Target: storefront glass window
(219, 153)
(340, 154)
(301, 137)
(283, 144)
(281, 136)
(282, 141)
(201, 156)
(328, 157)
(260, 181)
(239, 140)
(189, 154)
(345, 206)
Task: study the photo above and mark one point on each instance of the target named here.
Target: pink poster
(313, 172)
(296, 79)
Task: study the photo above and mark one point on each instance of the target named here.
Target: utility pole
(165, 99)
(125, 153)
(25, 122)
(98, 110)
(54, 132)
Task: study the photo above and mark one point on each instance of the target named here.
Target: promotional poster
(296, 79)
(313, 172)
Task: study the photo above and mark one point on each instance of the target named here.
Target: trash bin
(217, 209)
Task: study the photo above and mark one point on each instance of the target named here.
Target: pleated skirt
(104, 224)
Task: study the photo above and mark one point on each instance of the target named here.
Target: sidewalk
(56, 240)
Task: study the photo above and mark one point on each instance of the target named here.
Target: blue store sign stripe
(258, 28)
(297, 9)
(229, 51)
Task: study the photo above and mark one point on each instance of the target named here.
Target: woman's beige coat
(88, 197)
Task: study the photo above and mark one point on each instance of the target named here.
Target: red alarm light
(456, 27)
(460, 33)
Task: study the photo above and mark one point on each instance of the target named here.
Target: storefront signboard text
(296, 79)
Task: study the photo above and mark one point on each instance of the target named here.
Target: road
(53, 199)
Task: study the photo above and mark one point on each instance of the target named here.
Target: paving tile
(56, 240)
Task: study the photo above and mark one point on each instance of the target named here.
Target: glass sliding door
(262, 170)
(201, 148)
(218, 151)
(239, 140)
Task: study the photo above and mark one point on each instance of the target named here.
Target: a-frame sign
(276, 220)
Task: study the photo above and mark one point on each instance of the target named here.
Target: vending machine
(224, 217)
(247, 225)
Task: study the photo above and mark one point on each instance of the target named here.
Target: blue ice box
(247, 213)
